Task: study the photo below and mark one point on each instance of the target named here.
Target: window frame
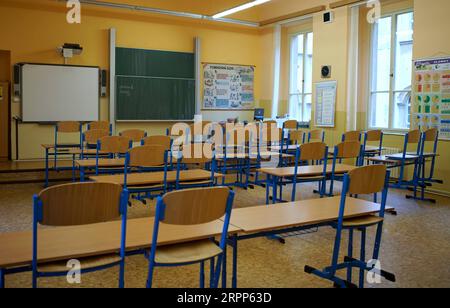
(392, 92)
(291, 37)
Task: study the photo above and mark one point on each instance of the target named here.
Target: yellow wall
(42, 29)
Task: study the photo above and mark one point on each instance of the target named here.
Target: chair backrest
(94, 135)
(99, 125)
(136, 135)
(238, 136)
(313, 151)
(114, 144)
(348, 149)
(147, 156)
(197, 153)
(367, 180)
(431, 134)
(270, 135)
(290, 124)
(164, 141)
(414, 136)
(297, 136)
(195, 206)
(352, 136)
(316, 135)
(374, 135)
(68, 127)
(80, 203)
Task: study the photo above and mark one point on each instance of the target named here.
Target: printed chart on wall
(431, 99)
(325, 104)
(228, 86)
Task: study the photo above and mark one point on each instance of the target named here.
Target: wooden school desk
(65, 149)
(152, 178)
(274, 174)
(85, 164)
(64, 243)
(263, 221)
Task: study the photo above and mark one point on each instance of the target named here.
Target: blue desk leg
(46, 167)
(73, 168)
(211, 273)
(2, 278)
(274, 189)
(267, 189)
(81, 174)
(224, 268)
(235, 259)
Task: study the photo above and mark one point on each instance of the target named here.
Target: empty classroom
(257, 144)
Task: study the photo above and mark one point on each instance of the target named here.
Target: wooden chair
(66, 127)
(313, 152)
(352, 136)
(136, 135)
(197, 154)
(374, 136)
(316, 135)
(146, 158)
(290, 124)
(105, 125)
(364, 180)
(91, 138)
(79, 204)
(412, 139)
(345, 150)
(111, 147)
(429, 137)
(164, 141)
(295, 138)
(185, 208)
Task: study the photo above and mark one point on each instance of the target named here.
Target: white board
(228, 86)
(325, 103)
(52, 93)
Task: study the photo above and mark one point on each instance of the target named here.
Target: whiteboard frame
(333, 82)
(52, 64)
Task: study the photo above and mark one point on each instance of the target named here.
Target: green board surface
(154, 85)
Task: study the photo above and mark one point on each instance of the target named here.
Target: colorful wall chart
(228, 86)
(431, 95)
(325, 103)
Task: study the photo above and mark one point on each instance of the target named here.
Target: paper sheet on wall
(228, 86)
(325, 103)
(431, 95)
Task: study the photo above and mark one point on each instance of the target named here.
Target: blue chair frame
(37, 218)
(329, 273)
(159, 217)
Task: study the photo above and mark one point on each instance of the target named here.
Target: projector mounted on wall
(69, 50)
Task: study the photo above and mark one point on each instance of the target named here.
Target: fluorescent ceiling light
(240, 8)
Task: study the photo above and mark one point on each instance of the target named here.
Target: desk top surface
(300, 213)
(307, 170)
(149, 178)
(91, 240)
(103, 162)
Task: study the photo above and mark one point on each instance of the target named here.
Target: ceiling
(269, 10)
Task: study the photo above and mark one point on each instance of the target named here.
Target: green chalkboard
(154, 85)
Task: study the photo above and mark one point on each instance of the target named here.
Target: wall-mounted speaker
(328, 17)
(103, 82)
(326, 71)
(17, 77)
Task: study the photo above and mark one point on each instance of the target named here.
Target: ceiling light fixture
(239, 8)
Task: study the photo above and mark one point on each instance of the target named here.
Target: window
(390, 96)
(300, 85)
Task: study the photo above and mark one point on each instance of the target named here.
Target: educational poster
(325, 104)
(228, 86)
(431, 98)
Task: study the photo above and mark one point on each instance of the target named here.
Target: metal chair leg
(362, 257)
(350, 254)
(202, 274)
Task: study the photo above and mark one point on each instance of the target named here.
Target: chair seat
(187, 253)
(365, 221)
(86, 263)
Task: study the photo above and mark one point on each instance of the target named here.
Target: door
(4, 121)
